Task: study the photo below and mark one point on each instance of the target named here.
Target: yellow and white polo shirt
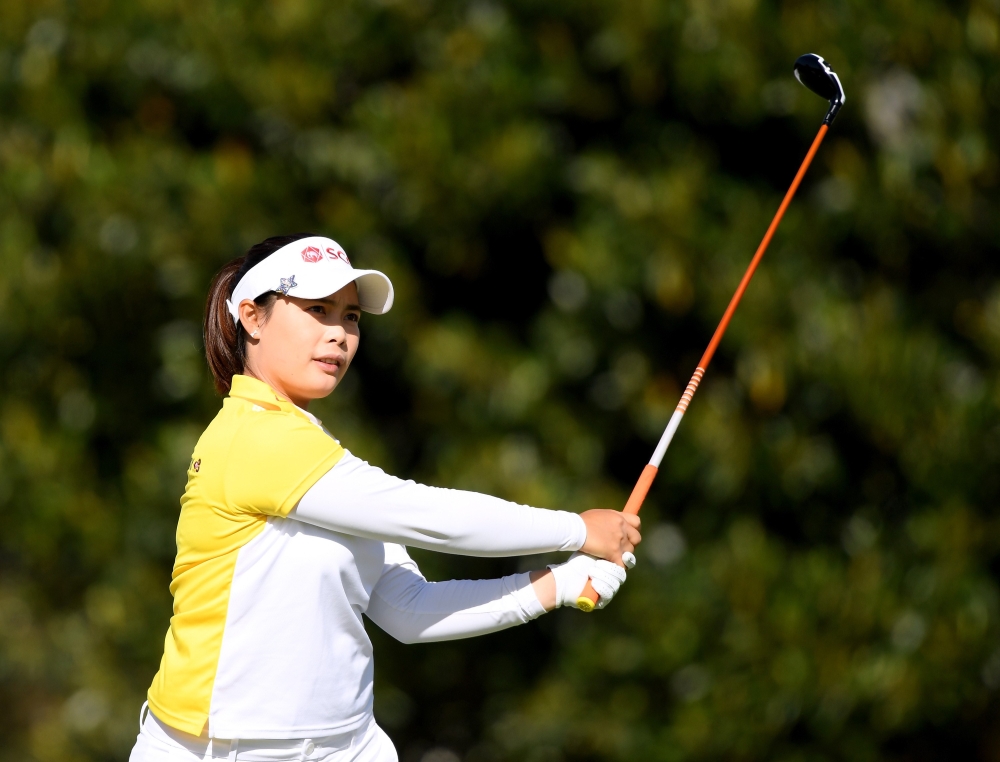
(254, 461)
(285, 540)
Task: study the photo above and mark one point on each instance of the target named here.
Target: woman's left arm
(413, 610)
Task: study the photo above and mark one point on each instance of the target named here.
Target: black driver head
(815, 73)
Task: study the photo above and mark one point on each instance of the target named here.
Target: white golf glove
(571, 577)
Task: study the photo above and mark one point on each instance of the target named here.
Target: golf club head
(815, 73)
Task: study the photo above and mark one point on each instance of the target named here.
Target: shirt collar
(256, 391)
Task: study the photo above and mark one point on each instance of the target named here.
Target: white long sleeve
(358, 499)
(413, 610)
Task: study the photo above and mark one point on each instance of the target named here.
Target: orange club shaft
(589, 597)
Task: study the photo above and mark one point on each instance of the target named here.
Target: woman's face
(305, 346)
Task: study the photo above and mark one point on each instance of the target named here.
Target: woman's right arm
(358, 499)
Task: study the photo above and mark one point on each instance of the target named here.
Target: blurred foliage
(565, 195)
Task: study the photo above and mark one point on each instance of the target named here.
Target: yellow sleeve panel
(256, 459)
(277, 459)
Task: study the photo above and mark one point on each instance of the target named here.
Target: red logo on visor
(334, 254)
(311, 254)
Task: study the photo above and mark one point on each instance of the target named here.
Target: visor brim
(375, 293)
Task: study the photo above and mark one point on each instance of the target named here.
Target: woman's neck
(276, 388)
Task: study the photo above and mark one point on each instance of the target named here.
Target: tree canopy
(565, 195)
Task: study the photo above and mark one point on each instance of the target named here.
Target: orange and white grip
(589, 597)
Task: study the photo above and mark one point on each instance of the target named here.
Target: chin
(323, 387)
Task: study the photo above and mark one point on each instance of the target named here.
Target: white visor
(312, 268)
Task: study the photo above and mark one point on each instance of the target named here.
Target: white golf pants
(160, 743)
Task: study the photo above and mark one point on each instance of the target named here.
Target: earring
(254, 334)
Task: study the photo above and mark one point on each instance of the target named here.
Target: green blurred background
(565, 195)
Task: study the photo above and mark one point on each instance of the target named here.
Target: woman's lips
(329, 364)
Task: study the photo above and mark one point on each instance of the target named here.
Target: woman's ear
(250, 318)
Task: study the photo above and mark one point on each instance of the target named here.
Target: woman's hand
(610, 534)
(563, 584)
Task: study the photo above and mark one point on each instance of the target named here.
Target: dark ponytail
(225, 338)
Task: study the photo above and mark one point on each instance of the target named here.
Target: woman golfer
(285, 539)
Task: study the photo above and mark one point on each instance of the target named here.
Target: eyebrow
(356, 307)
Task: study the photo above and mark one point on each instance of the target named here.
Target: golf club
(813, 72)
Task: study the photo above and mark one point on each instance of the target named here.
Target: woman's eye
(317, 308)
(353, 317)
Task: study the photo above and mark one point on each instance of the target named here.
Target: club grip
(588, 598)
